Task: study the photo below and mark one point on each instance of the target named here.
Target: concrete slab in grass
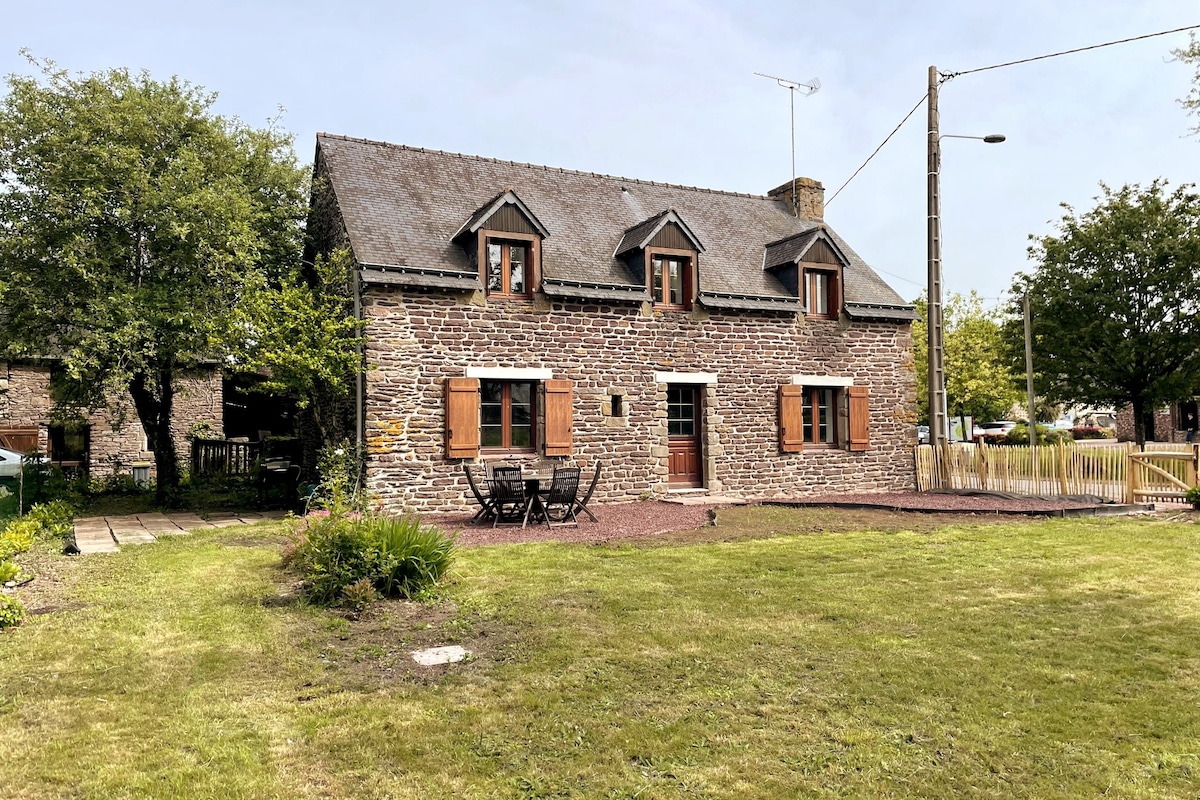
(440, 655)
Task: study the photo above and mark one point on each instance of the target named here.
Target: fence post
(1062, 467)
(1130, 472)
(981, 464)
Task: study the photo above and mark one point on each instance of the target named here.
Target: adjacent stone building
(106, 442)
(681, 338)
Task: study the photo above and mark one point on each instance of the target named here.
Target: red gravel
(617, 521)
(651, 518)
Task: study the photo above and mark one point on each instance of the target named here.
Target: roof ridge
(564, 170)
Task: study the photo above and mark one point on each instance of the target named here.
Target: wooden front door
(683, 436)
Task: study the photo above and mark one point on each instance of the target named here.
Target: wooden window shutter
(558, 418)
(860, 418)
(791, 418)
(462, 417)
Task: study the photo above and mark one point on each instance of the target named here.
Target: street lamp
(939, 424)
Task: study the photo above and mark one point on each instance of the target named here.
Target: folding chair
(559, 505)
(487, 504)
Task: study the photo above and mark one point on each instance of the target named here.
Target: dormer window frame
(533, 264)
(690, 277)
(812, 276)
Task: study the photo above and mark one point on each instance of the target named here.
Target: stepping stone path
(107, 534)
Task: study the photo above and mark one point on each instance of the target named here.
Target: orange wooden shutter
(558, 418)
(462, 417)
(791, 418)
(860, 418)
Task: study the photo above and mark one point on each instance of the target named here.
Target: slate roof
(402, 206)
(640, 235)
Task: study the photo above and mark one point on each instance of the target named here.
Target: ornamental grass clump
(399, 557)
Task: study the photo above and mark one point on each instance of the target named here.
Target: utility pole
(1029, 376)
(938, 423)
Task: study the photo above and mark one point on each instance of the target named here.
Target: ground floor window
(69, 444)
(507, 412)
(820, 416)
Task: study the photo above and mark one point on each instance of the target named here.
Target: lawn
(1040, 659)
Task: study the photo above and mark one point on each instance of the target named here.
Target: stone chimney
(810, 198)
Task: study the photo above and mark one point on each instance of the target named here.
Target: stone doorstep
(701, 497)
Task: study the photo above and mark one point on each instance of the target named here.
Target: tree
(979, 379)
(1115, 302)
(133, 223)
(1191, 55)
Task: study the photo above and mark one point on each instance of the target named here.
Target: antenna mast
(812, 86)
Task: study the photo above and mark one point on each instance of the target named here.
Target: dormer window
(810, 265)
(509, 267)
(820, 292)
(666, 253)
(671, 278)
(503, 239)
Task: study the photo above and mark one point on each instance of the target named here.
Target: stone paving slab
(106, 534)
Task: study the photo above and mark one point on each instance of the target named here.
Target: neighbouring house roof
(404, 206)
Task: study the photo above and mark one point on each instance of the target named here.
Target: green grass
(1044, 659)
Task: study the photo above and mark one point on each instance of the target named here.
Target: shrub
(1192, 495)
(1046, 435)
(412, 557)
(359, 595)
(1092, 432)
(398, 557)
(18, 536)
(8, 571)
(11, 611)
(53, 518)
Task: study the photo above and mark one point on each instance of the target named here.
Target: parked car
(10, 464)
(998, 428)
(922, 434)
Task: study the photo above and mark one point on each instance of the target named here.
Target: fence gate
(1161, 475)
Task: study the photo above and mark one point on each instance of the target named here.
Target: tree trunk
(1139, 422)
(154, 404)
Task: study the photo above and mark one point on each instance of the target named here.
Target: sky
(666, 91)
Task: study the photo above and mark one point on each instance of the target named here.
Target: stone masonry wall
(117, 439)
(416, 341)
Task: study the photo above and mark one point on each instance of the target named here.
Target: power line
(898, 277)
(948, 75)
(877, 149)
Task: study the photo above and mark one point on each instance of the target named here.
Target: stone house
(681, 338)
(107, 441)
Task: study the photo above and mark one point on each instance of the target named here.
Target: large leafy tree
(980, 381)
(134, 222)
(1115, 301)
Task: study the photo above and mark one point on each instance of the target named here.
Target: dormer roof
(480, 218)
(642, 234)
(799, 247)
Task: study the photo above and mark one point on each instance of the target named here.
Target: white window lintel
(510, 373)
(822, 380)
(685, 377)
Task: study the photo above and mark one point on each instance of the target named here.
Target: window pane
(490, 414)
(657, 283)
(820, 291)
(492, 436)
(521, 415)
(516, 263)
(825, 414)
(522, 436)
(491, 391)
(495, 276)
(521, 392)
(808, 417)
(676, 276)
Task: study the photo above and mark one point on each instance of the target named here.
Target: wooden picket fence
(1118, 471)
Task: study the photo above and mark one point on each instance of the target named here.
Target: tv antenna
(812, 85)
